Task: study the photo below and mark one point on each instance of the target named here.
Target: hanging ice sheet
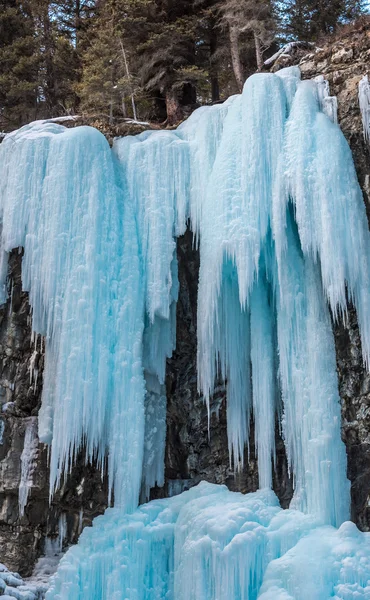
(100, 264)
(62, 199)
(262, 272)
(155, 169)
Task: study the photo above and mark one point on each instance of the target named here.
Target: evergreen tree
(154, 59)
(142, 49)
(57, 62)
(307, 20)
(73, 17)
(19, 65)
(168, 59)
(210, 44)
(109, 84)
(243, 17)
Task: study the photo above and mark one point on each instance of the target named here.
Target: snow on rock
(288, 49)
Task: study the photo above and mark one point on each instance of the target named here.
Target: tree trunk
(77, 24)
(174, 110)
(215, 88)
(259, 57)
(128, 75)
(123, 104)
(235, 57)
(49, 77)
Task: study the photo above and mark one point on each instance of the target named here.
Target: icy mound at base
(327, 563)
(209, 543)
(13, 586)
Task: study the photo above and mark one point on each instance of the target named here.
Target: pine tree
(168, 61)
(243, 17)
(57, 61)
(308, 20)
(142, 49)
(109, 86)
(210, 44)
(73, 17)
(19, 65)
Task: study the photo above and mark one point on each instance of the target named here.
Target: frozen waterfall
(267, 182)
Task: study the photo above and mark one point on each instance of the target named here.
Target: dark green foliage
(147, 59)
(308, 20)
(19, 65)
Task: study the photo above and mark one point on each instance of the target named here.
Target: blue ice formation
(284, 243)
(212, 544)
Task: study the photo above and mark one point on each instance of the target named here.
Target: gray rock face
(82, 496)
(192, 453)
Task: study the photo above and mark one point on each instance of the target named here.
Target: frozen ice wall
(284, 243)
(267, 271)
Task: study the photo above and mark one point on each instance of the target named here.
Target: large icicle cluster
(155, 171)
(61, 200)
(284, 244)
(280, 230)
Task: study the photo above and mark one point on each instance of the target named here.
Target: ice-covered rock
(13, 586)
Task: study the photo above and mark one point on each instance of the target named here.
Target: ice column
(328, 104)
(28, 458)
(311, 419)
(156, 170)
(364, 102)
(235, 223)
(264, 370)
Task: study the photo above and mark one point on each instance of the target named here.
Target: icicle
(34, 372)
(311, 421)
(155, 435)
(328, 104)
(264, 377)
(80, 520)
(62, 532)
(28, 458)
(364, 102)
